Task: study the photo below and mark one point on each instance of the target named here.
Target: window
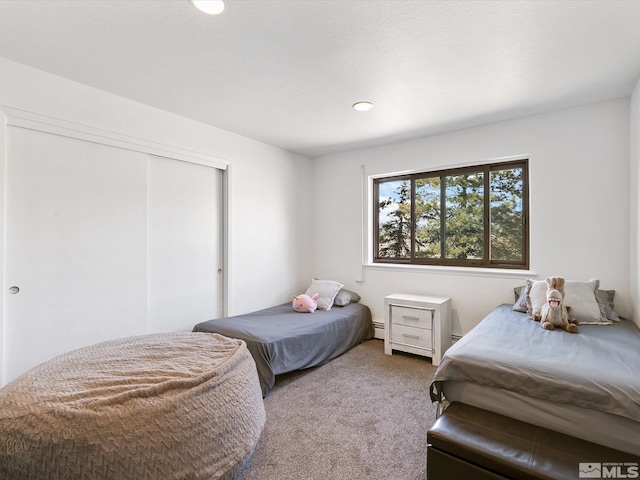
(473, 216)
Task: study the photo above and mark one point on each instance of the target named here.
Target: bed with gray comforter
(585, 384)
(282, 340)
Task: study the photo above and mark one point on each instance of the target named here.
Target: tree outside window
(473, 216)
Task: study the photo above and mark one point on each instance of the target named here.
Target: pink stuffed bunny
(304, 303)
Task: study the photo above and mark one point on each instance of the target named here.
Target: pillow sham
(580, 297)
(326, 290)
(344, 297)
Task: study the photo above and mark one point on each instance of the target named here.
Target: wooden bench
(468, 442)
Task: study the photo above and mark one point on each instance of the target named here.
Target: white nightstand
(417, 324)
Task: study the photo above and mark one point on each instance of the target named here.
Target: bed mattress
(586, 384)
(170, 406)
(282, 340)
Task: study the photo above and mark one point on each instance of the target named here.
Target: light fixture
(210, 7)
(362, 106)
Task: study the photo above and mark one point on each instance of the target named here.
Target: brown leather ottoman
(468, 442)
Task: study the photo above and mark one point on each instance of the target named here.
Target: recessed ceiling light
(210, 7)
(362, 106)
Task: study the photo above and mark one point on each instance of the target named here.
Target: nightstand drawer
(412, 317)
(413, 336)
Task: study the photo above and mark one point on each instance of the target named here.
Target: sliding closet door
(75, 246)
(185, 244)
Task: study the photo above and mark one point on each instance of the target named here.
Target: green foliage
(506, 215)
(428, 234)
(463, 217)
(394, 235)
(464, 237)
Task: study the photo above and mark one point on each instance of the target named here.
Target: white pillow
(326, 290)
(580, 297)
(535, 297)
(584, 303)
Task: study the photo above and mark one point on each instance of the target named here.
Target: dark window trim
(486, 262)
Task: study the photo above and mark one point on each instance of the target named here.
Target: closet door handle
(14, 289)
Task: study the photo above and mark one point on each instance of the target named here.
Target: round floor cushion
(157, 407)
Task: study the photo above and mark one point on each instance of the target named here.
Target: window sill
(467, 271)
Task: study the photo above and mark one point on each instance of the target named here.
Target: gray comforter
(282, 340)
(597, 368)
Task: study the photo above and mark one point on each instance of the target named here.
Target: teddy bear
(304, 303)
(554, 312)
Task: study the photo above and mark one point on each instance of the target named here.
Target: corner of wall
(634, 209)
(3, 285)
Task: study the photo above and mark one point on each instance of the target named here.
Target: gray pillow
(520, 304)
(606, 298)
(345, 297)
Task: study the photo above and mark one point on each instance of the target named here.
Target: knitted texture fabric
(160, 406)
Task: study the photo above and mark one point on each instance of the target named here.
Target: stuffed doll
(304, 303)
(554, 312)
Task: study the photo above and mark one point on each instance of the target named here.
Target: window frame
(486, 261)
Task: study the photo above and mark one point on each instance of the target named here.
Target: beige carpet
(365, 415)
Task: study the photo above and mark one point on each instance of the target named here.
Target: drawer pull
(409, 317)
(408, 335)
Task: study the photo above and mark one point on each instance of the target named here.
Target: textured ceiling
(286, 72)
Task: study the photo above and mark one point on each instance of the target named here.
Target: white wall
(634, 217)
(280, 236)
(579, 207)
(269, 187)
